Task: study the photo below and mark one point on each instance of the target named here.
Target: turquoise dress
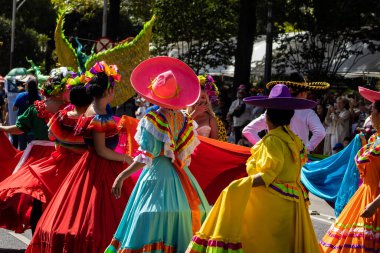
(159, 216)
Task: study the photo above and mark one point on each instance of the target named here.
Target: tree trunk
(245, 39)
(113, 20)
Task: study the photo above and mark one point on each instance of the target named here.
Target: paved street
(11, 242)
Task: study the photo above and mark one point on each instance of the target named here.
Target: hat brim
(305, 86)
(284, 103)
(368, 94)
(188, 83)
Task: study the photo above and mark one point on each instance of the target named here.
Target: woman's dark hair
(279, 117)
(98, 85)
(79, 96)
(298, 78)
(33, 90)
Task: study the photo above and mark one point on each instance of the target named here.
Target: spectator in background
(240, 112)
(346, 141)
(321, 113)
(13, 86)
(127, 108)
(339, 121)
(142, 105)
(338, 147)
(22, 102)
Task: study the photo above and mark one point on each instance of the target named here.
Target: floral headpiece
(208, 83)
(110, 70)
(56, 83)
(75, 80)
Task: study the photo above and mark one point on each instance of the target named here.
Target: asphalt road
(322, 216)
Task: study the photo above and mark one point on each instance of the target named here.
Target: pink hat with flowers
(166, 82)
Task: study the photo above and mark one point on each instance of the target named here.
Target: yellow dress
(272, 218)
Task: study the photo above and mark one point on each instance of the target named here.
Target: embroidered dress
(167, 205)
(40, 179)
(351, 233)
(272, 218)
(83, 215)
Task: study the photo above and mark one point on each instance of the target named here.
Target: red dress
(40, 179)
(83, 214)
(9, 156)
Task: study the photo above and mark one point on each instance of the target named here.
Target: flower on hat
(110, 70)
(208, 84)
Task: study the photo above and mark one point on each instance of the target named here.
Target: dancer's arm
(107, 153)
(11, 130)
(371, 208)
(251, 131)
(118, 183)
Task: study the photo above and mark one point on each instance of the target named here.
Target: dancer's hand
(116, 187)
(369, 210)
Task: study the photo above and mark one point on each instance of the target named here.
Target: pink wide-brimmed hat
(166, 82)
(368, 94)
(280, 98)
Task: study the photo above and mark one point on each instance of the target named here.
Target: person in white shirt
(303, 122)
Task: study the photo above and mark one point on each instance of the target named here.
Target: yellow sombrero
(301, 85)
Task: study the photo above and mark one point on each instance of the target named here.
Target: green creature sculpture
(126, 55)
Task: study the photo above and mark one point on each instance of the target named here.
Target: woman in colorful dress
(35, 120)
(356, 230)
(167, 205)
(209, 125)
(82, 215)
(268, 210)
(40, 180)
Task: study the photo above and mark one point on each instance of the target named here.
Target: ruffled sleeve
(267, 159)
(158, 126)
(103, 124)
(61, 127)
(149, 149)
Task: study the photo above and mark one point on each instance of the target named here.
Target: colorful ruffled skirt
(351, 233)
(83, 215)
(158, 217)
(39, 180)
(257, 220)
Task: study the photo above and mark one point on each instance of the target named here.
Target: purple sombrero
(280, 98)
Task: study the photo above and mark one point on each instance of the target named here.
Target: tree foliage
(199, 32)
(31, 33)
(324, 34)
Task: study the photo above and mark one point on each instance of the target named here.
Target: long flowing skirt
(256, 220)
(158, 217)
(39, 180)
(351, 233)
(83, 214)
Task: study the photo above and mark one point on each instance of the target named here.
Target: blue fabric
(158, 210)
(335, 178)
(22, 102)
